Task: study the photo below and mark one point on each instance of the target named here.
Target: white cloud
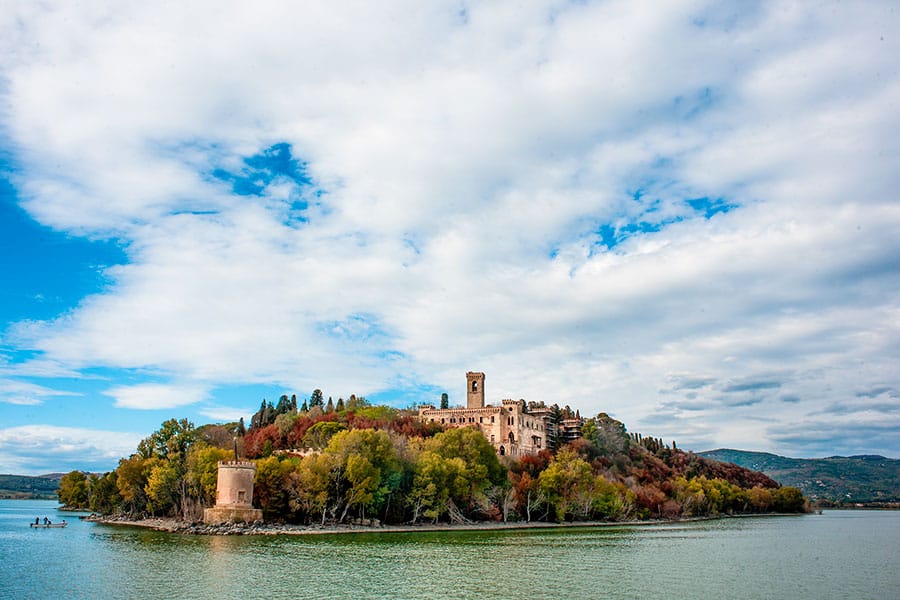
(27, 394)
(151, 396)
(40, 449)
(468, 162)
(225, 414)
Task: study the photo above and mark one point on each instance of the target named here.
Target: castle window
(474, 386)
(492, 418)
(492, 438)
(502, 450)
(443, 420)
(481, 419)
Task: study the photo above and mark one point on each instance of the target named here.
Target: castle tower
(474, 390)
(234, 494)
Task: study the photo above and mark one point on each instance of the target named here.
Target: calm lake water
(840, 554)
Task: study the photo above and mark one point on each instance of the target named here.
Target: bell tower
(474, 390)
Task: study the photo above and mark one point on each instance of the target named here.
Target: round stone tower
(234, 494)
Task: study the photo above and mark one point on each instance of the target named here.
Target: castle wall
(510, 430)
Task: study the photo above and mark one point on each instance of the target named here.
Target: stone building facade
(510, 428)
(234, 494)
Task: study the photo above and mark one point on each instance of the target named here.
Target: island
(328, 465)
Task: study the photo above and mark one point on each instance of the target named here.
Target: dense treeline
(335, 462)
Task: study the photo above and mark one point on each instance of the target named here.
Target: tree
(445, 401)
(173, 436)
(202, 472)
(131, 477)
(339, 407)
(367, 460)
(330, 406)
(163, 486)
(105, 498)
(272, 487)
(788, 500)
(437, 480)
(283, 406)
(452, 473)
(314, 484)
(316, 399)
(284, 423)
(566, 484)
(321, 433)
(74, 491)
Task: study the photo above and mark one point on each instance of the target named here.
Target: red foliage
(532, 464)
(255, 440)
(302, 424)
(411, 426)
(690, 465)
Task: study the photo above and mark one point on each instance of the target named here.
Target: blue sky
(684, 215)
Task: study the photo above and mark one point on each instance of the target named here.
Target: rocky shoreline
(262, 528)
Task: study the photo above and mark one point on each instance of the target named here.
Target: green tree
(316, 399)
(272, 487)
(321, 433)
(437, 481)
(367, 461)
(74, 491)
(203, 471)
(445, 401)
(173, 436)
(105, 498)
(788, 500)
(163, 487)
(314, 485)
(131, 478)
(284, 423)
(567, 483)
(453, 471)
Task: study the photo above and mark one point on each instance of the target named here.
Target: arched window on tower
(474, 386)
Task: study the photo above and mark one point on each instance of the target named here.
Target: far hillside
(24, 487)
(841, 479)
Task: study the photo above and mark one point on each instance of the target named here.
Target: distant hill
(26, 487)
(864, 478)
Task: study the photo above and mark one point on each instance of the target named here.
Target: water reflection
(829, 556)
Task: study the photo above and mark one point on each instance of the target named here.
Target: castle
(512, 428)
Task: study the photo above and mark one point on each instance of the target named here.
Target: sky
(681, 213)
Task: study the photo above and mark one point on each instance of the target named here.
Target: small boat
(48, 525)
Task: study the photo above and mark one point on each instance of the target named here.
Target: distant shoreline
(174, 526)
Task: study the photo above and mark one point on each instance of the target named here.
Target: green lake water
(840, 554)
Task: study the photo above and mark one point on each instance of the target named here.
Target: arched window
(502, 450)
(512, 438)
(474, 386)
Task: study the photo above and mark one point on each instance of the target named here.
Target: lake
(840, 554)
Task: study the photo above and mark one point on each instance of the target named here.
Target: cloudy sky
(680, 214)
